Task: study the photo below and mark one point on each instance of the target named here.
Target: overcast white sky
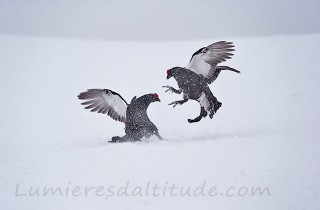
(158, 20)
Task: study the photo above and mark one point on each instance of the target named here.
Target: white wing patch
(199, 65)
(117, 103)
(106, 102)
(205, 60)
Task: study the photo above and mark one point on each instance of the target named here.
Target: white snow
(266, 134)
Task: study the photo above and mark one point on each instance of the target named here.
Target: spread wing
(106, 102)
(205, 60)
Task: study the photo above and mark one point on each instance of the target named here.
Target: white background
(265, 134)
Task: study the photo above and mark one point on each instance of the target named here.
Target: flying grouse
(134, 115)
(201, 70)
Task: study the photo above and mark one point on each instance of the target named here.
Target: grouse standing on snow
(134, 115)
(202, 70)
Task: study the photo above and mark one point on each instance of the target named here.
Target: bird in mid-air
(133, 115)
(194, 79)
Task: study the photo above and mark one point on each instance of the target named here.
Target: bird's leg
(203, 114)
(216, 106)
(175, 103)
(173, 90)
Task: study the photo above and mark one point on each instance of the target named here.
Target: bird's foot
(175, 103)
(171, 89)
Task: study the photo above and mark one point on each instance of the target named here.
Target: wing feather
(106, 102)
(205, 60)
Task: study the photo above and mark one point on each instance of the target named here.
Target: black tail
(220, 68)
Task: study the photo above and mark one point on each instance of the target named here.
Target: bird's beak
(169, 76)
(158, 99)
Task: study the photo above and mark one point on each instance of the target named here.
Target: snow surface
(266, 134)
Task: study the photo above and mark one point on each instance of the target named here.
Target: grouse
(133, 115)
(202, 70)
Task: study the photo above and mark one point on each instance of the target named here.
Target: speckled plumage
(134, 115)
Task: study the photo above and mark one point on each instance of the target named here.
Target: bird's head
(154, 97)
(147, 99)
(173, 71)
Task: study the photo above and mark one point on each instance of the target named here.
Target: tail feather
(217, 72)
(227, 68)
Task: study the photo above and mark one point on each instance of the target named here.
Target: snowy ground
(266, 133)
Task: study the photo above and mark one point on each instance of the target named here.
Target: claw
(174, 103)
(166, 86)
(169, 88)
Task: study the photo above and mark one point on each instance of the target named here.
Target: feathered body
(202, 70)
(194, 87)
(138, 124)
(134, 115)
